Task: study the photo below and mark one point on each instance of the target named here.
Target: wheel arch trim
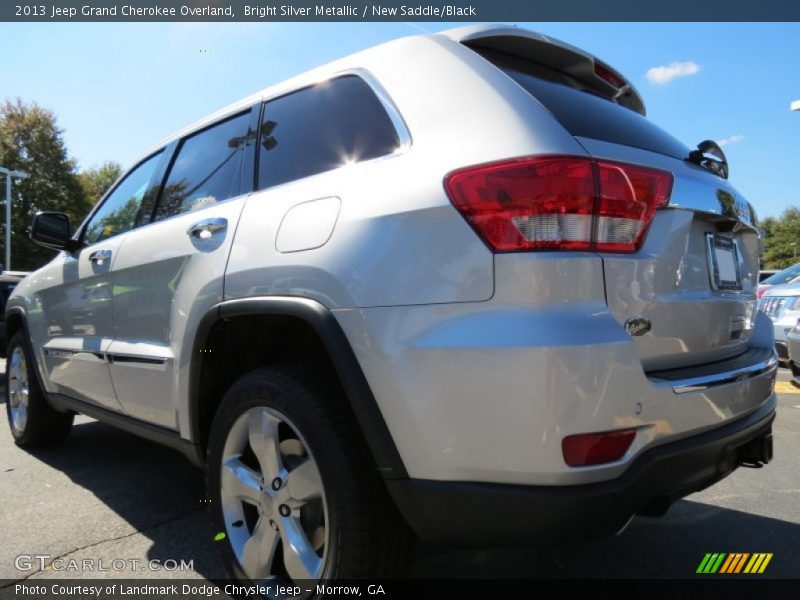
(18, 312)
(322, 321)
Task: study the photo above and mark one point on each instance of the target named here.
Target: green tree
(767, 227)
(781, 239)
(96, 181)
(31, 141)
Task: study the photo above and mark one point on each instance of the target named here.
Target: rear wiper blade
(710, 156)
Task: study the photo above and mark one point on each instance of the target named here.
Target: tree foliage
(31, 141)
(779, 235)
(96, 181)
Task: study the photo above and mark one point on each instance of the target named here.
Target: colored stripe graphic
(765, 563)
(734, 562)
(703, 563)
(711, 562)
(758, 563)
(717, 564)
(753, 563)
(729, 562)
(740, 564)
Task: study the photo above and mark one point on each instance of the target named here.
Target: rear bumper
(483, 513)
(487, 391)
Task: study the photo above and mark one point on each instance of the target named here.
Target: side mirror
(52, 230)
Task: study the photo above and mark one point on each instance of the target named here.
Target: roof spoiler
(582, 66)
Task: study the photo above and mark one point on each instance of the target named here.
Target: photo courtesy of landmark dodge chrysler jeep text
(455, 286)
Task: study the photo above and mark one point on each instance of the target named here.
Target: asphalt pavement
(106, 495)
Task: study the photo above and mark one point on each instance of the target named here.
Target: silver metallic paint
(480, 364)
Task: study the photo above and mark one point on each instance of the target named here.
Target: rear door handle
(99, 257)
(205, 229)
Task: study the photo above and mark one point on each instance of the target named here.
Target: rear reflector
(559, 203)
(596, 448)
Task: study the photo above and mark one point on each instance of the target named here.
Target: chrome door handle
(205, 229)
(99, 257)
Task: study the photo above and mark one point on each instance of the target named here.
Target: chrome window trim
(403, 134)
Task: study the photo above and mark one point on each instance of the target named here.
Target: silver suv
(454, 286)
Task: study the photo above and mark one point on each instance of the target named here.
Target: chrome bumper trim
(697, 384)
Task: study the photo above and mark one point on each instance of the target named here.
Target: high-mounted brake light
(559, 203)
(596, 448)
(608, 75)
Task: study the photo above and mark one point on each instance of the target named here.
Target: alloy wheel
(273, 501)
(18, 390)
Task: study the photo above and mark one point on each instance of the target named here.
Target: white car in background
(781, 303)
(787, 275)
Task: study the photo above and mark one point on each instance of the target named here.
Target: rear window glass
(322, 127)
(582, 112)
(207, 169)
(786, 276)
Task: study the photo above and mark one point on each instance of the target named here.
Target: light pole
(795, 106)
(9, 176)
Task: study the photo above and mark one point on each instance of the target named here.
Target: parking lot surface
(107, 495)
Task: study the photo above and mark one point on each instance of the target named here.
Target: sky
(119, 88)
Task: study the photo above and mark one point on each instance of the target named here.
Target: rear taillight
(559, 203)
(596, 448)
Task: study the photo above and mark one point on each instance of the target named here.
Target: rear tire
(280, 439)
(32, 420)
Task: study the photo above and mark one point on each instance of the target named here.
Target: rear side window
(320, 128)
(583, 113)
(207, 168)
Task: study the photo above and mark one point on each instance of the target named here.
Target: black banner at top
(398, 10)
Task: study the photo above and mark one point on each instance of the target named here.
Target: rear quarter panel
(398, 240)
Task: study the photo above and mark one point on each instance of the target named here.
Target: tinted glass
(118, 212)
(321, 128)
(582, 112)
(785, 276)
(207, 168)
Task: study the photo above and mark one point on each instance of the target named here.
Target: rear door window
(583, 113)
(207, 168)
(321, 128)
